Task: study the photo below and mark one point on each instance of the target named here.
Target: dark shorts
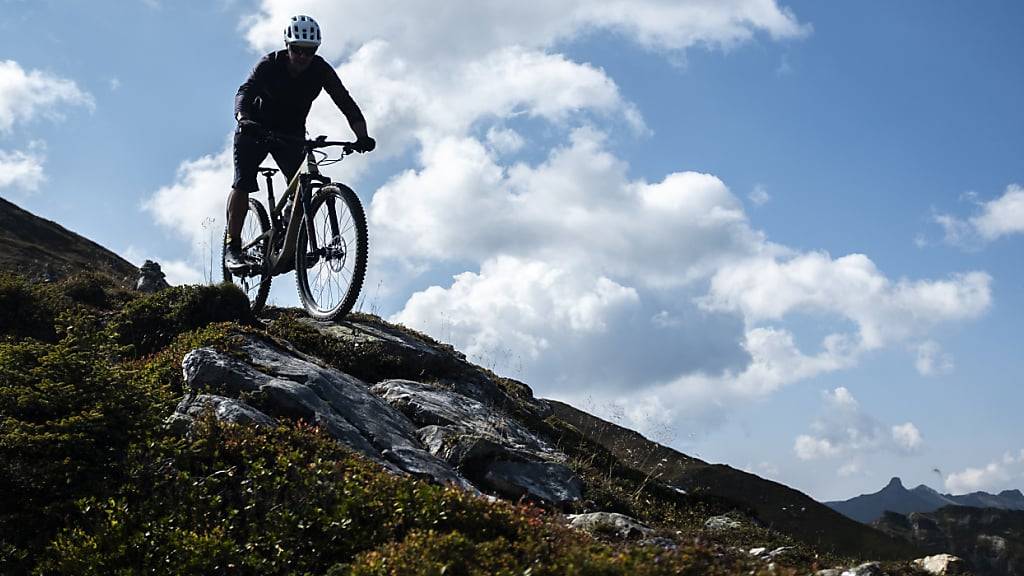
(250, 151)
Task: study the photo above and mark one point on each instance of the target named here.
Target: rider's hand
(364, 144)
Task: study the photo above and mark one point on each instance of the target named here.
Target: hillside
(775, 505)
(990, 539)
(38, 248)
(176, 433)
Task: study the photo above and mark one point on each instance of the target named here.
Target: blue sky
(785, 236)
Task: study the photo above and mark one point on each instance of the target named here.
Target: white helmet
(302, 31)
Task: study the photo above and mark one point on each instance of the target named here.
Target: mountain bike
(317, 228)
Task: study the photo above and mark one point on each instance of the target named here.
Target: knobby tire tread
(355, 207)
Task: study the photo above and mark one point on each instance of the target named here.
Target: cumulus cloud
(432, 32)
(26, 95)
(1001, 474)
(22, 169)
(655, 294)
(1003, 216)
(844, 430)
(852, 287)
(196, 201)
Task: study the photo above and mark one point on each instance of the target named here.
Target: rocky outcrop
(483, 443)
(151, 278)
(407, 427)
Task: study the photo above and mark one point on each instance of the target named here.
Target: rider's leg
(238, 205)
(248, 153)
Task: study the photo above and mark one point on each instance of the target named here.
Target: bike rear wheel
(257, 286)
(330, 275)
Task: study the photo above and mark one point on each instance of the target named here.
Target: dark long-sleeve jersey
(281, 102)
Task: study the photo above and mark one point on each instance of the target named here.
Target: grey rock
(549, 482)
(151, 278)
(611, 524)
(414, 357)
(485, 445)
(222, 408)
(285, 386)
(428, 405)
(722, 524)
(942, 564)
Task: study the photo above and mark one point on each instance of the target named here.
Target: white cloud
(515, 304)
(1000, 474)
(22, 170)
(27, 95)
(198, 197)
(931, 361)
(767, 289)
(1002, 216)
(504, 140)
(182, 272)
(811, 448)
(994, 219)
(907, 437)
(433, 32)
(844, 430)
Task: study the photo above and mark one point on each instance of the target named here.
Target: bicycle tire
(336, 253)
(256, 290)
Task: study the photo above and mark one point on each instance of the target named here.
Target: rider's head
(302, 37)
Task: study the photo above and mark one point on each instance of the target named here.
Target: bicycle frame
(300, 191)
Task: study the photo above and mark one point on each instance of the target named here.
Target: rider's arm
(336, 90)
(253, 87)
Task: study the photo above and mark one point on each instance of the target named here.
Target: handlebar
(318, 142)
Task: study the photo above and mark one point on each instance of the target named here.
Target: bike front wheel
(254, 244)
(329, 268)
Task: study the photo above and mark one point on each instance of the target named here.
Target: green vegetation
(92, 482)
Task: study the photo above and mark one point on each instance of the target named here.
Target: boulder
(428, 405)
(484, 444)
(283, 386)
(944, 564)
(544, 481)
(722, 524)
(610, 524)
(224, 409)
(151, 278)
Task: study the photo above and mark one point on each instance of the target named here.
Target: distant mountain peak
(895, 483)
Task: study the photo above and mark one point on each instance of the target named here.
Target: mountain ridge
(894, 497)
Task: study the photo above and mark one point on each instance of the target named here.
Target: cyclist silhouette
(277, 96)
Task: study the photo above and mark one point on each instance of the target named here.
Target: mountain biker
(277, 96)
